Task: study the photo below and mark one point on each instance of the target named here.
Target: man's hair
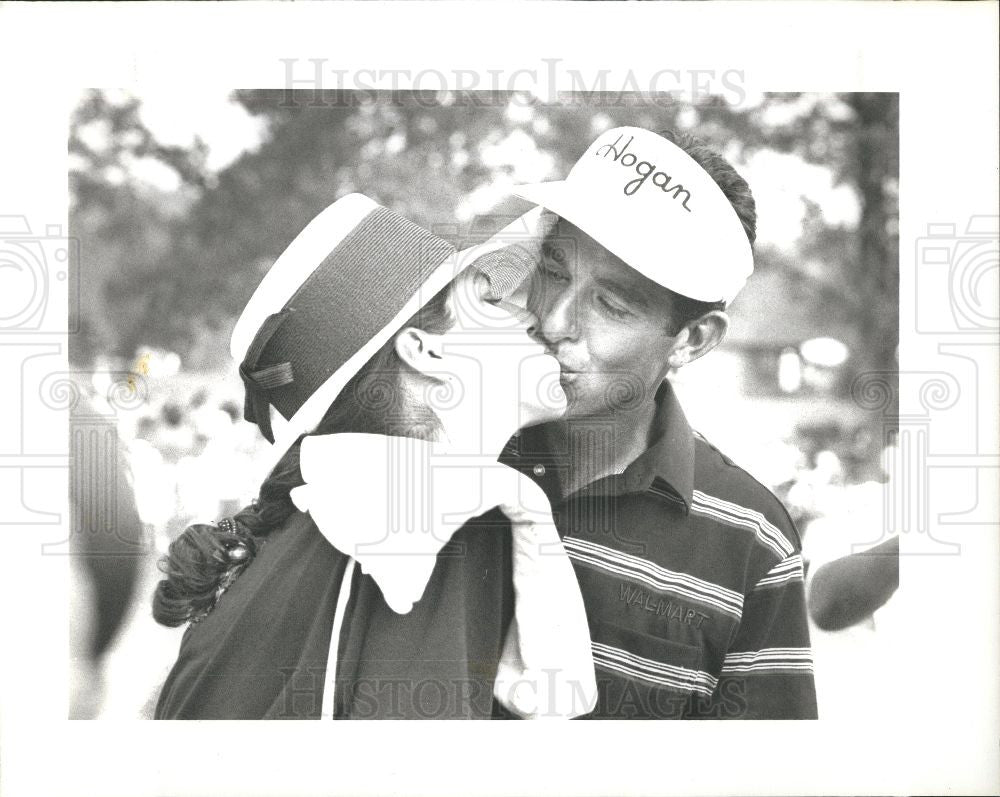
(684, 309)
(726, 177)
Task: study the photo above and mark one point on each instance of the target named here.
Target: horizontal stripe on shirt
(649, 573)
(733, 514)
(658, 673)
(778, 660)
(786, 571)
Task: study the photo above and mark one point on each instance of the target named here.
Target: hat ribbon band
(256, 406)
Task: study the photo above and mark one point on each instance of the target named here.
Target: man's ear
(698, 338)
(419, 349)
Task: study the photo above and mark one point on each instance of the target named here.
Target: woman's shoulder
(296, 537)
(283, 550)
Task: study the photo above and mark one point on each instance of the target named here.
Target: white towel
(392, 503)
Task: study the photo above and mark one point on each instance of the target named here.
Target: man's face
(606, 324)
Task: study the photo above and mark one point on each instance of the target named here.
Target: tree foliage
(173, 269)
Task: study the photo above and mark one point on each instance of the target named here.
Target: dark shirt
(261, 653)
(691, 573)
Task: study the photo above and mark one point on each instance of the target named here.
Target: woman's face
(494, 364)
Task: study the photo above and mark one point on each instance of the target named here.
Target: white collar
(391, 503)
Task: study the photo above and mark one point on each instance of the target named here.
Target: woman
(370, 604)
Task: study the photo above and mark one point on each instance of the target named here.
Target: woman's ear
(419, 349)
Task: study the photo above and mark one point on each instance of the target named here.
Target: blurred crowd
(840, 504)
(192, 460)
(185, 456)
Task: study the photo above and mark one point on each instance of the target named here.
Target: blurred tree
(124, 224)
(874, 168)
(174, 270)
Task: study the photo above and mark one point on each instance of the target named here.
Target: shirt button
(538, 470)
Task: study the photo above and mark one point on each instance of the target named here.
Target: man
(690, 569)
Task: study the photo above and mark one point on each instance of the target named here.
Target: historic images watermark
(962, 265)
(34, 264)
(447, 698)
(39, 304)
(320, 82)
(957, 267)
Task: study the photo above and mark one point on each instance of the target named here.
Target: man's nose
(557, 317)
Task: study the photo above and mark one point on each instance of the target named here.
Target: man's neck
(597, 446)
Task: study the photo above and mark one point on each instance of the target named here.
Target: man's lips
(568, 374)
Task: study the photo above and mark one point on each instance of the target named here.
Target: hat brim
(308, 416)
(559, 197)
(565, 201)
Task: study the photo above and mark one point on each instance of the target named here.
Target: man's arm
(847, 590)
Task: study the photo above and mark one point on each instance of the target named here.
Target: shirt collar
(668, 463)
(670, 457)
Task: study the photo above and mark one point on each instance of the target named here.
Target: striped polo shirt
(691, 572)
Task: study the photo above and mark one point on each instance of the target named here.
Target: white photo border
(940, 735)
